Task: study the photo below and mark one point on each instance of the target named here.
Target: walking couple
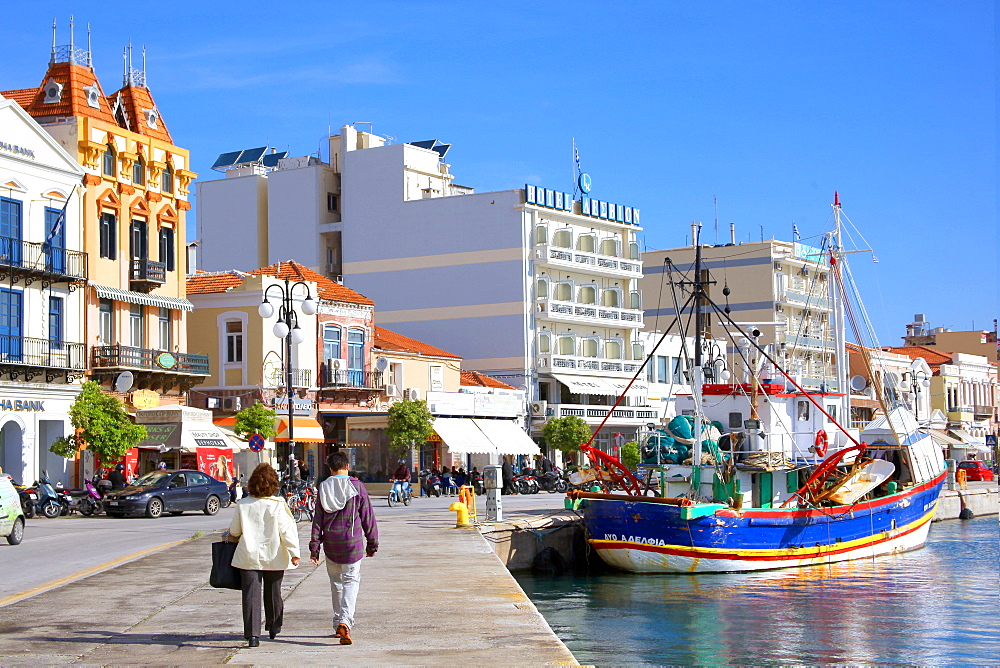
(343, 526)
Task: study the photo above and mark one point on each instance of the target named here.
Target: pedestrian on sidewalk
(344, 526)
(268, 546)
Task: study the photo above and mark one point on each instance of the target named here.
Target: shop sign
(17, 150)
(18, 405)
(299, 406)
(144, 399)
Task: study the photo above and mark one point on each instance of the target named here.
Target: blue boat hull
(646, 537)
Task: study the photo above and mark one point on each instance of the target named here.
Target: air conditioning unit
(335, 364)
(539, 408)
(391, 391)
(413, 394)
(232, 403)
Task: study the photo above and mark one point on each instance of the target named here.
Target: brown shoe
(344, 634)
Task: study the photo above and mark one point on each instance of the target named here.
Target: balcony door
(11, 315)
(55, 240)
(356, 357)
(140, 240)
(10, 232)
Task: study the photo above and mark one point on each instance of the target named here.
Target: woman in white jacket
(268, 546)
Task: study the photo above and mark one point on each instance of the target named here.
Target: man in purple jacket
(343, 517)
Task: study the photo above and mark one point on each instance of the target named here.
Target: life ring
(819, 447)
(961, 477)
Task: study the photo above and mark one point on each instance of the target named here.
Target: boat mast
(840, 333)
(696, 373)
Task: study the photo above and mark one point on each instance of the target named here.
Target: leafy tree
(256, 419)
(408, 423)
(630, 455)
(567, 433)
(101, 424)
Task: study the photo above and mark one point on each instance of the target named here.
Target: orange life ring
(961, 477)
(819, 447)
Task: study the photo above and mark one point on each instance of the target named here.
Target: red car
(975, 470)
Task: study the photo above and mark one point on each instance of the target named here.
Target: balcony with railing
(352, 379)
(19, 258)
(146, 275)
(588, 262)
(982, 412)
(32, 357)
(275, 377)
(630, 416)
(158, 365)
(577, 312)
(550, 363)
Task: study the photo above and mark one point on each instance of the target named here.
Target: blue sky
(767, 106)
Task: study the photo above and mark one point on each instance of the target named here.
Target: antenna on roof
(72, 54)
(716, 200)
(143, 64)
(52, 58)
(90, 52)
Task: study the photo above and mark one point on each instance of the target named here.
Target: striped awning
(105, 292)
(307, 430)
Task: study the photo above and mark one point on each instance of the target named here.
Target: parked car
(171, 492)
(11, 515)
(975, 470)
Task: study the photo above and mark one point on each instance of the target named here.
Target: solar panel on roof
(226, 159)
(271, 159)
(251, 155)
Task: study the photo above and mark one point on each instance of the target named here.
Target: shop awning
(966, 438)
(117, 294)
(603, 386)
(307, 430)
(508, 438)
(941, 437)
(185, 437)
(463, 437)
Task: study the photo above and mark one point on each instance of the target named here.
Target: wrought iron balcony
(20, 354)
(146, 274)
(143, 359)
(43, 261)
(349, 378)
(274, 377)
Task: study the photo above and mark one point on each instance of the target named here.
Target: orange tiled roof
(327, 288)
(73, 101)
(23, 96)
(476, 379)
(206, 282)
(387, 340)
(931, 356)
(135, 99)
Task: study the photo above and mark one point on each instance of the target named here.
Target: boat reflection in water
(934, 606)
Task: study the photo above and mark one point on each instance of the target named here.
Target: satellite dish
(381, 364)
(858, 383)
(124, 381)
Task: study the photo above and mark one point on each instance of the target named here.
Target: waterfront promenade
(433, 594)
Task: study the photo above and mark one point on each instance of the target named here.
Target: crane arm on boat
(816, 481)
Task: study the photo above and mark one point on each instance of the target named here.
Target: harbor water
(934, 606)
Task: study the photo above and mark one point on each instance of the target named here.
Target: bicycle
(400, 493)
(301, 499)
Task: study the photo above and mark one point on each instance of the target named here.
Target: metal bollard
(462, 518)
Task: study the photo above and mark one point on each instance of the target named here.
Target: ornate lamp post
(918, 381)
(287, 328)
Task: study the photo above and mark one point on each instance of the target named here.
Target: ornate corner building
(133, 199)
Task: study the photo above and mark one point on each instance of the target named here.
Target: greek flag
(58, 226)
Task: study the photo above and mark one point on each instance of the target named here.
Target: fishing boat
(791, 487)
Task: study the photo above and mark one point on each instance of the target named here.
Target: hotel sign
(594, 208)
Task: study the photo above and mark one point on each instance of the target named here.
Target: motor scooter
(87, 500)
(432, 484)
(49, 502)
(28, 496)
(400, 492)
(553, 481)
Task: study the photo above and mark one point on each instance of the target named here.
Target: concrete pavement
(432, 594)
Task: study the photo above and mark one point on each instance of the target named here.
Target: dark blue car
(171, 492)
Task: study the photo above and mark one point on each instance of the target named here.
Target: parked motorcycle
(431, 485)
(29, 497)
(525, 483)
(87, 500)
(477, 483)
(553, 481)
(49, 502)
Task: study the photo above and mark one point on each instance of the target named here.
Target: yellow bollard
(462, 518)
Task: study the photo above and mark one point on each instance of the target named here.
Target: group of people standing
(343, 528)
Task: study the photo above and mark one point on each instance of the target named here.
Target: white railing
(575, 311)
(640, 414)
(592, 261)
(556, 363)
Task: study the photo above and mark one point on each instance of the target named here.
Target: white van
(11, 515)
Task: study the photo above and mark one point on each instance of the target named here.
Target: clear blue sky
(768, 106)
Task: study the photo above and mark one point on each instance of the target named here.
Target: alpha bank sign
(594, 208)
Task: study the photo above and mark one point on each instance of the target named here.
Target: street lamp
(918, 380)
(287, 328)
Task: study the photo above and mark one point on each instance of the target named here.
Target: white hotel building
(533, 286)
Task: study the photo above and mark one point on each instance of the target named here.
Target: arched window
(633, 250)
(356, 356)
(613, 349)
(638, 353)
(541, 234)
(331, 342)
(563, 238)
(590, 346)
(167, 179)
(567, 344)
(611, 297)
(563, 291)
(108, 161)
(586, 243)
(139, 171)
(609, 246)
(542, 288)
(635, 300)
(544, 342)
(588, 294)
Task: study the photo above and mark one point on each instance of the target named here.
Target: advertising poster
(216, 462)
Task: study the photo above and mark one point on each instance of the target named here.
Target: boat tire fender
(821, 444)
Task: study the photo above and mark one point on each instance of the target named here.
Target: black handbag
(224, 574)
